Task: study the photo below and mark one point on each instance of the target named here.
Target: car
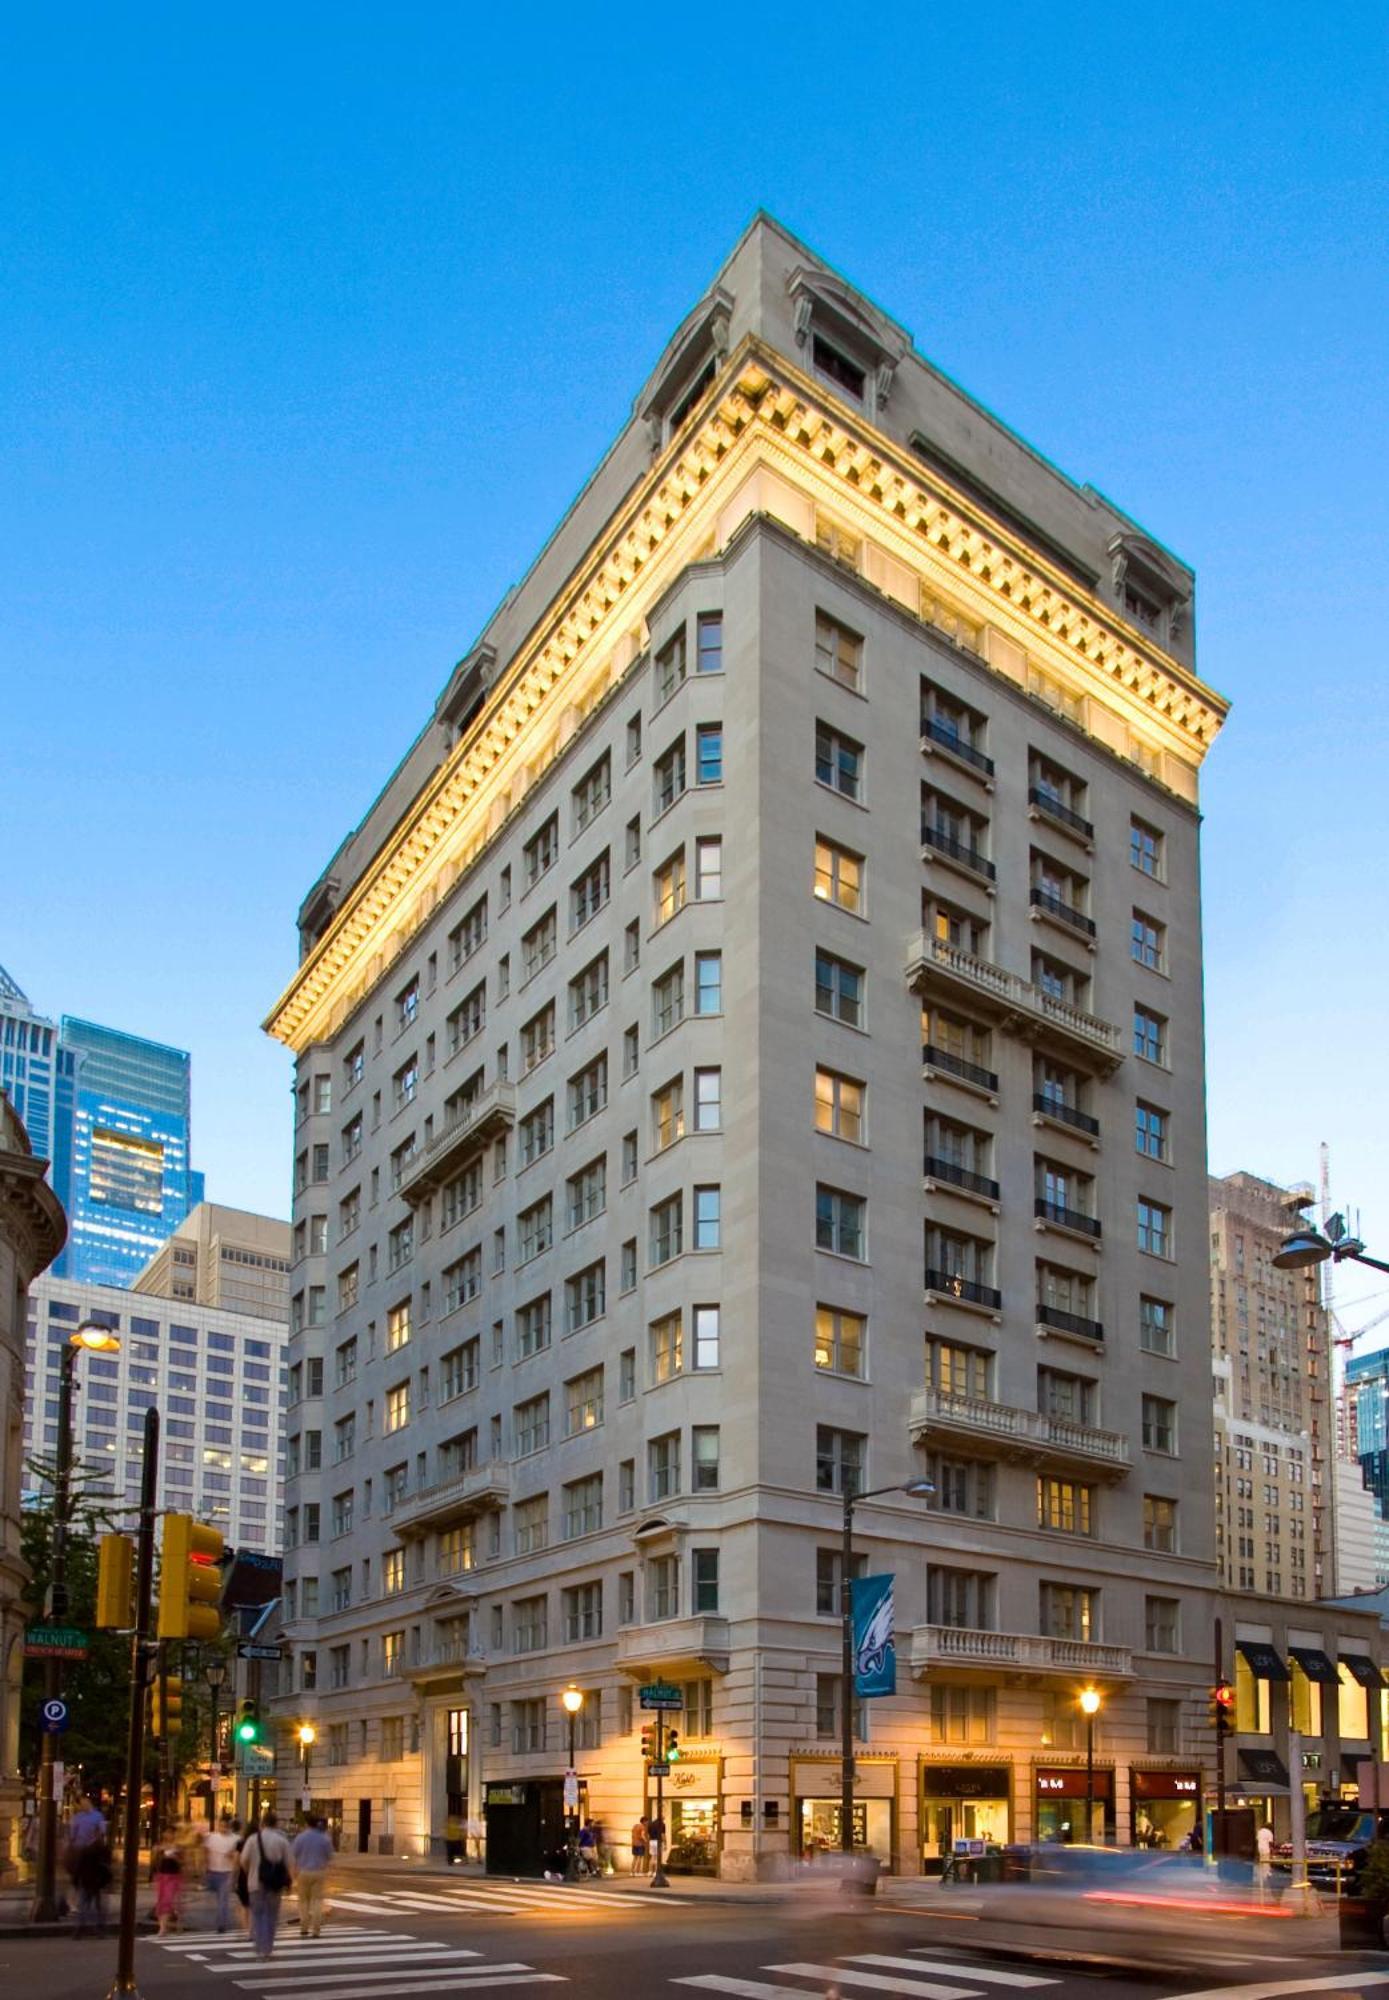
(1339, 1838)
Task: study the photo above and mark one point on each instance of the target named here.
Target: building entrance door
(364, 1826)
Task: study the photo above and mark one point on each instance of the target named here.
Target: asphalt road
(399, 1937)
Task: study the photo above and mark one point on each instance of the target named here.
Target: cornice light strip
(798, 416)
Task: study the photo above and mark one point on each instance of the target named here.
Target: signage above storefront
(1165, 1784)
(1075, 1783)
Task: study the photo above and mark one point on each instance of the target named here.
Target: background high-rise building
(1366, 1400)
(130, 1184)
(752, 1052)
(1274, 1421)
(38, 1075)
(224, 1257)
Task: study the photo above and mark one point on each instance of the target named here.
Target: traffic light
(248, 1727)
(1223, 1708)
(166, 1707)
(115, 1583)
(190, 1583)
(672, 1747)
(648, 1743)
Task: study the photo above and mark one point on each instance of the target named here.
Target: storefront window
(1305, 1699)
(1061, 1802)
(962, 1802)
(1354, 1708)
(1252, 1707)
(819, 1827)
(1166, 1807)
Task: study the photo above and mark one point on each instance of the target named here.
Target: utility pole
(1218, 1844)
(659, 1878)
(135, 1747)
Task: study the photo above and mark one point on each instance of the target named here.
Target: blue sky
(314, 320)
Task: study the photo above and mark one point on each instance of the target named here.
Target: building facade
(131, 1184)
(753, 1050)
(1274, 1414)
(1365, 1404)
(38, 1075)
(216, 1377)
(32, 1228)
(224, 1257)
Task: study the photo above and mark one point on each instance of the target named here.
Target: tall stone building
(32, 1230)
(1274, 1416)
(225, 1257)
(752, 1048)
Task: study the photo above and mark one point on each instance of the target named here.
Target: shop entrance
(525, 1822)
(962, 1802)
(1165, 1807)
(456, 1784)
(1061, 1796)
(819, 1821)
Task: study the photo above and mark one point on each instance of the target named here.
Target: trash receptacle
(860, 1877)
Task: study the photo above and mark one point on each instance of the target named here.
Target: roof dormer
(1151, 588)
(692, 359)
(847, 342)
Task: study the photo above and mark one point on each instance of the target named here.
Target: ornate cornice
(765, 410)
(30, 1213)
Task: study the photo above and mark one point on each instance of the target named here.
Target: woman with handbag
(265, 1864)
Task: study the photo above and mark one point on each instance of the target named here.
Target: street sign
(658, 1770)
(571, 1791)
(660, 1694)
(257, 1760)
(54, 1718)
(256, 1651)
(55, 1642)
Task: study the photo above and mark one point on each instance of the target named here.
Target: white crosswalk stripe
(499, 1898)
(350, 1963)
(864, 1973)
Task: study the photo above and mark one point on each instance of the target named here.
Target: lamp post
(572, 1700)
(308, 1736)
(1307, 1246)
(215, 1673)
(918, 1489)
(89, 1338)
(1090, 1699)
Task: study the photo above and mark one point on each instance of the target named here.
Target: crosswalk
(348, 1963)
(927, 1977)
(494, 1898)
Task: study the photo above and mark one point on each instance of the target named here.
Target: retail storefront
(1060, 1793)
(963, 1802)
(694, 1814)
(1261, 1781)
(815, 1807)
(1164, 1807)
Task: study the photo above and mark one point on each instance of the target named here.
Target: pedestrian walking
(312, 1855)
(639, 1847)
(168, 1887)
(90, 1869)
(221, 1857)
(265, 1863)
(588, 1848)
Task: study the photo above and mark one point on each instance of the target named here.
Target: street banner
(875, 1649)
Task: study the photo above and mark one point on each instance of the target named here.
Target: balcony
(951, 1175)
(457, 1498)
(446, 1659)
(1074, 1219)
(490, 1114)
(1056, 810)
(1068, 1322)
(674, 1646)
(938, 735)
(1052, 905)
(1061, 1113)
(967, 1072)
(1016, 1652)
(1018, 1007)
(949, 1285)
(935, 841)
(1023, 1436)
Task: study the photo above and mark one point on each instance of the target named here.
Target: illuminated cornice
(762, 412)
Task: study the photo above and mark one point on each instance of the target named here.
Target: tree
(97, 1689)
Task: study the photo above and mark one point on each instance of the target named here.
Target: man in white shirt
(219, 1856)
(265, 1860)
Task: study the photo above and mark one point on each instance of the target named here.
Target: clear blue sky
(280, 283)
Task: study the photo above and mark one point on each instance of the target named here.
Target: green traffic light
(247, 1731)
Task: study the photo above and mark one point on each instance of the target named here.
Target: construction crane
(1344, 1339)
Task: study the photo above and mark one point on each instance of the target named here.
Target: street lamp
(918, 1489)
(308, 1736)
(91, 1338)
(572, 1700)
(1307, 1246)
(215, 1673)
(1090, 1699)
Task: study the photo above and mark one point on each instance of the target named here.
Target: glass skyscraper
(38, 1076)
(130, 1185)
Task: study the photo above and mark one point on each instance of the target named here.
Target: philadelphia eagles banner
(875, 1650)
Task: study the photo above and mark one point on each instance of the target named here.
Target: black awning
(1263, 1661)
(1263, 1768)
(1364, 1669)
(1316, 1665)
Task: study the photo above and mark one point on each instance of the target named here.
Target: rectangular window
(633, 739)
(405, 1082)
(1069, 1611)
(663, 1466)
(538, 944)
(670, 666)
(1159, 1424)
(663, 1587)
(1150, 1131)
(528, 1623)
(838, 651)
(708, 870)
(585, 1297)
(838, 762)
(592, 792)
(582, 1605)
(669, 886)
(541, 850)
(534, 1230)
(1064, 1506)
(961, 1715)
(397, 1407)
(1155, 1326)
(963, 1486)
(840, 1340)
(704, 1455)
(706, 1218)
(586, 1194)
(1147, 941)
(668, 1000)
(709, 754)
(1145, 849)
(462, 1280)
(667, 1233)
(668, 1114)
(704, 1580)
(589, 892)
(588, 992)
(838, 875)
(1162, 1624)
(1149, 1035)
(668, 777)
(709, 642)
(627, 1375)
(839, 1105)
(468, 936)
(583, 1399)
(708, 1100)
(1154, 1228)
(829, 1569)
(532, 1525)
(840, 1222)
(1159, 1524)
(960, 1598)
(537, 1131)
(839, 1460)
(588, 1092)
(706, 1336)
(583, 1506)
(533, 1327)
(838, 989)
(538, 1038)
(531, 1425)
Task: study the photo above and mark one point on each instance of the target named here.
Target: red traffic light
(1223, 1696)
